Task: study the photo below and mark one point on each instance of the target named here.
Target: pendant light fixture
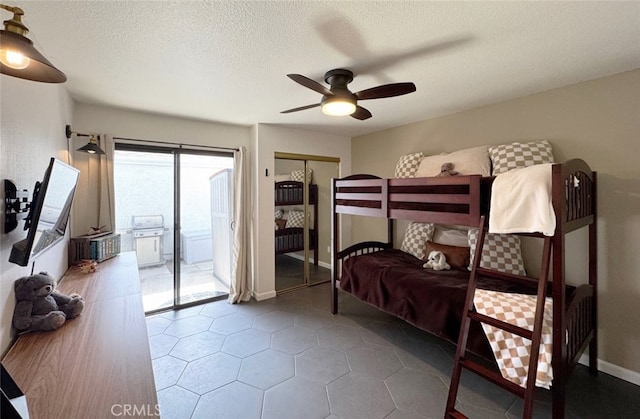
(91, 147)
(19, 58)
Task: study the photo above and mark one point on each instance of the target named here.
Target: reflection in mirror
(323, 171)
(289, 225)
(302, 250)
(49, 212)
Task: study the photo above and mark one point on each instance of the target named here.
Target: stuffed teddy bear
(39, 307)
(436, 261)
(447, 170)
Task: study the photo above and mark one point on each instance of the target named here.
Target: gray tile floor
(288, 357)
(197, 282)
(290, 273)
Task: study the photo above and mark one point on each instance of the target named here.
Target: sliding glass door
(206, 185)
(168, 212)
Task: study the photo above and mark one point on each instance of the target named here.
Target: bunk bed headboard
(291, 192)
(446, 200)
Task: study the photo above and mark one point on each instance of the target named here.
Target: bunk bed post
(559, 352)
(559, 360)
(334, 249)
(385, 207)
(593, 277)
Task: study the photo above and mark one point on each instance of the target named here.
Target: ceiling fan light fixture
(338, 106)
(19, 58)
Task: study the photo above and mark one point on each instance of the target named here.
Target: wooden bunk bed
(287, 240)
(465, 200)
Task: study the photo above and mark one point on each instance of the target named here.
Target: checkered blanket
(512, 351)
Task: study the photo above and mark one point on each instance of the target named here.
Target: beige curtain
(241, 278)
(106, 204)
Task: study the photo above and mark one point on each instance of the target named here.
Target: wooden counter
(96, 365)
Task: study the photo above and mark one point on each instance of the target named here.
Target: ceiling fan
(337, 100)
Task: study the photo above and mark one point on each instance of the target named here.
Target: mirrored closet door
(302, 226)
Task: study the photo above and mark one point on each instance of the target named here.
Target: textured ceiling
(227, 61)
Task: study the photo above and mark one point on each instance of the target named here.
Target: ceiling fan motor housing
(338, 79)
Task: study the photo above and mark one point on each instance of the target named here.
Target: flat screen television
(48, 213)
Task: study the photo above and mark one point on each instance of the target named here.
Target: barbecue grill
(147, 237)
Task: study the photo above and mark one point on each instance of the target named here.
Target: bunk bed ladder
(462, 361)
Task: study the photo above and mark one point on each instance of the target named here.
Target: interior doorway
(303, 226)
(168, 210)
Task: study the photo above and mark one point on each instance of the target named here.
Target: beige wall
(33, 117)
(598, 121)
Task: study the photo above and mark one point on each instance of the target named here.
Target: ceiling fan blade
(311, 84)
(386, 90)
(361, 113)
(301, 108)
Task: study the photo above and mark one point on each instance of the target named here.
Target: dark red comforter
(396, 282)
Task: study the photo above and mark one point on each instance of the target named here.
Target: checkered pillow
(408, 164)
(298, 175)
(278, 214)
(512, 156)
(416, 237)
(295, 219)
(500, 252)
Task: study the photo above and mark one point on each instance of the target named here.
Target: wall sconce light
(19, 58)
(91, 147)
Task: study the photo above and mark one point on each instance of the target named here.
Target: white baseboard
(263, 295)
(619, 372)
(311, 260)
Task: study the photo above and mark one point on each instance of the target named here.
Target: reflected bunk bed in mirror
(289, 233)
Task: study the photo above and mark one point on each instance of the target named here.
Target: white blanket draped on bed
(521, 201)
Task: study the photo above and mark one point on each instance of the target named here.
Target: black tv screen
(48, 214)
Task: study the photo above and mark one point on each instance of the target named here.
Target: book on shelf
(98, 247)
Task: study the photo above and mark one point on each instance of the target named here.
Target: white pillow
(450, 236)
(282, 178)
(415, 238)
(500, 252)
(470, 161)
